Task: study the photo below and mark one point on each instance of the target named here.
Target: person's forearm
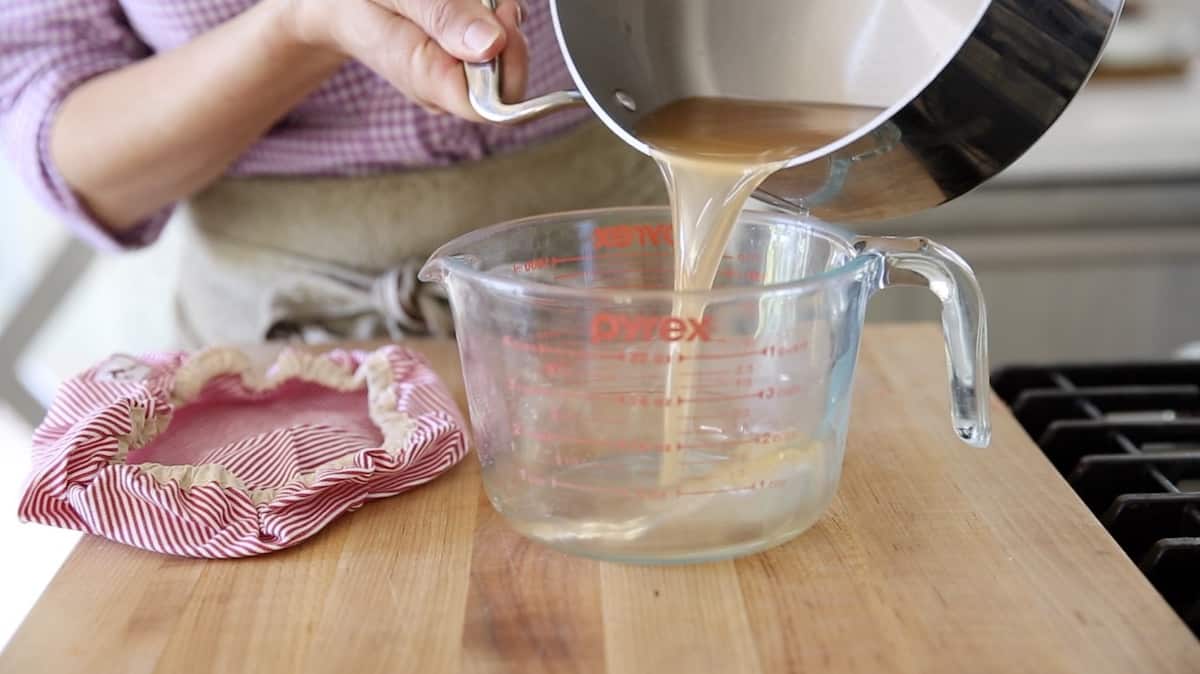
(135, 140)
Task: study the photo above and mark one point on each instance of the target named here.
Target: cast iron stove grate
(1127, 439)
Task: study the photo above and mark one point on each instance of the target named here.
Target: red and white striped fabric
(206, 456)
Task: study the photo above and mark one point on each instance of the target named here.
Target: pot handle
(923, 263)
(483, 89)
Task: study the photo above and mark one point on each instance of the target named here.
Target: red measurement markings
(644, 400)
(721, 356)
(771, 351)
(735, 341)
(698, 331)
(578, 372)
(652, 381)
(579, 357)
(540, 263)
(573, 378)
(740, 370)
(711, 444)
(606, 256)
(785, 350)
(611, 254)
(726, 383)
(645, 358)
(557, 369)
(517, 386)
(769, 393)
(617, 282)
(615, 273)
(616, 397)
(700, 400)
(753, 439)
(540, 348)
(561, 415)
(533, 265)
(603, 443)
(627, 236)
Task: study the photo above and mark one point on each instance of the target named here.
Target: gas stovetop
(1127, 439)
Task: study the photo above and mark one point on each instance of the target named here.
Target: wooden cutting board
(934, 558)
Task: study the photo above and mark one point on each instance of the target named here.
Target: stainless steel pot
(965, 86)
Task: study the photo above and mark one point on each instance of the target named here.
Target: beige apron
(320, 259)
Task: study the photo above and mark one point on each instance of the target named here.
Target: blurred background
(1088, 250)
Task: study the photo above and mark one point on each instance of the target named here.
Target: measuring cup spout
(465, 252)
(434, 271)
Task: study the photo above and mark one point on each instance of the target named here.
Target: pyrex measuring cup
(611, 425)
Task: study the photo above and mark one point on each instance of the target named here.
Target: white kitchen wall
(33, 554)
(119, 303)
(29, 237)
(122, 303)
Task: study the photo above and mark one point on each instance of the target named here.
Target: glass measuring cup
(618, 419)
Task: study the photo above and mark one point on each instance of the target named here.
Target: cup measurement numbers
(585, 353)
(566, 372)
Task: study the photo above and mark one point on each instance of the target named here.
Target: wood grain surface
(933, 558)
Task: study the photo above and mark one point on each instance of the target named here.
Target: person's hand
(419, 45)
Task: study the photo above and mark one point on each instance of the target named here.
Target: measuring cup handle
(483, 89)
(927, 264)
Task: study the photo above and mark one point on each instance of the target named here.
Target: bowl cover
(207, 456)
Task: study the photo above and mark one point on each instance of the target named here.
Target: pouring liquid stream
(714, 153)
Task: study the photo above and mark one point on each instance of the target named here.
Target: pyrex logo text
(622, 327)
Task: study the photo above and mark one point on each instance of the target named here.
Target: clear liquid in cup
(672, 500)
(614, 507)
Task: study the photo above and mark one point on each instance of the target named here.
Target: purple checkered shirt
(355, 124)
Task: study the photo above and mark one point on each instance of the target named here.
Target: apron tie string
(340, 304)
(412, 307)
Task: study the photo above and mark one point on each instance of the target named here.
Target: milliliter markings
(769, 393)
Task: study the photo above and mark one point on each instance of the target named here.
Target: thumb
(466, 29)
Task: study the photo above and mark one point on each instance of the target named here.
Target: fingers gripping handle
(483, 90)
(923, 263)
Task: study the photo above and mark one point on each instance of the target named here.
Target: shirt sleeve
(47, 48)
